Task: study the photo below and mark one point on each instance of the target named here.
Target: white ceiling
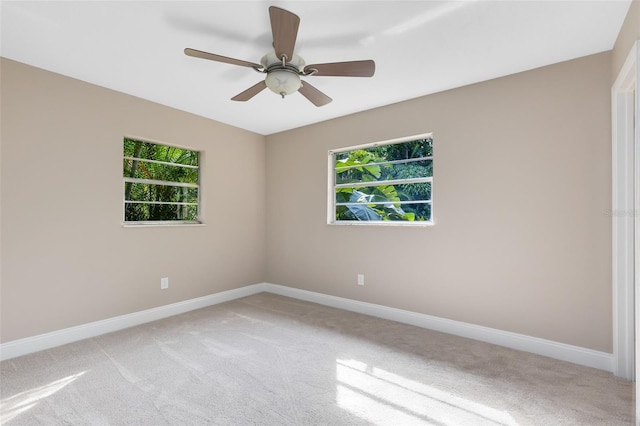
(420, 47)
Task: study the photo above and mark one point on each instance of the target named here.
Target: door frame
(625, 202)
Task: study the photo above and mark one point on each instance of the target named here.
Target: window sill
(159, 224)
(385, 223)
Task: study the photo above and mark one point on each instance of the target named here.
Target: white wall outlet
(360, 279)
(164, 283)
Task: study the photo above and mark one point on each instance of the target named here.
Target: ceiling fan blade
(250, 92)
(314, 95)
(284, 27)
(344, 69)
(219, 58)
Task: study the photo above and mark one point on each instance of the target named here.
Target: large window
(382, 183)
(161, 183)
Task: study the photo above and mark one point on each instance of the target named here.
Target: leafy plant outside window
(161, 183)
(383, 183)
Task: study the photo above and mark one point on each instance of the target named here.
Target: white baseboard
(40, 342)
(561, 351)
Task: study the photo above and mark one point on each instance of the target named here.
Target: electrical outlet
(360, 279)
(164, 283)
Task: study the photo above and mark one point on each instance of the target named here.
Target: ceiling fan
(283, 68)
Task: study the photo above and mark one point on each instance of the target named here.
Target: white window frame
(163, 183)
(332, 186)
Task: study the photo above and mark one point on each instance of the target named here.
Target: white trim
(561, 351)
(624, 113)
(166, 163)
(40, 342)
(160, 183)
(378, 203)
(380, 143)
(636, 221)
(160, 224)
(385, 163)
(172, 203)
(636, 233)
(363, 184)
(415, 223)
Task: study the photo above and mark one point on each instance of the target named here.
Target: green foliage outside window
(161, 182)
(361, 176)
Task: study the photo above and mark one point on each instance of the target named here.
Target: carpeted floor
(271, 360)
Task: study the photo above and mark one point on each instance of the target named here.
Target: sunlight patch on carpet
(13, 406)
(380, 397)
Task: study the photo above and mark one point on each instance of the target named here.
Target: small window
(161, 183)
(382, 183)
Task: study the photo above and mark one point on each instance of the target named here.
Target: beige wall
(522, 186)
(66, 259)
(629, 33)
(522, 241)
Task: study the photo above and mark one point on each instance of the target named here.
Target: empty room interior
(274, 302)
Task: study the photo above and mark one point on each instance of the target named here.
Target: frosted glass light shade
(283, 82)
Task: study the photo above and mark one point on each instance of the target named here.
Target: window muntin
(161, 183)
(382, 183)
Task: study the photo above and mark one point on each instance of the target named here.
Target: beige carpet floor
(271, 360)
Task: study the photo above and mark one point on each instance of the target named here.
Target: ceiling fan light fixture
(283, 78)
(283, 82)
